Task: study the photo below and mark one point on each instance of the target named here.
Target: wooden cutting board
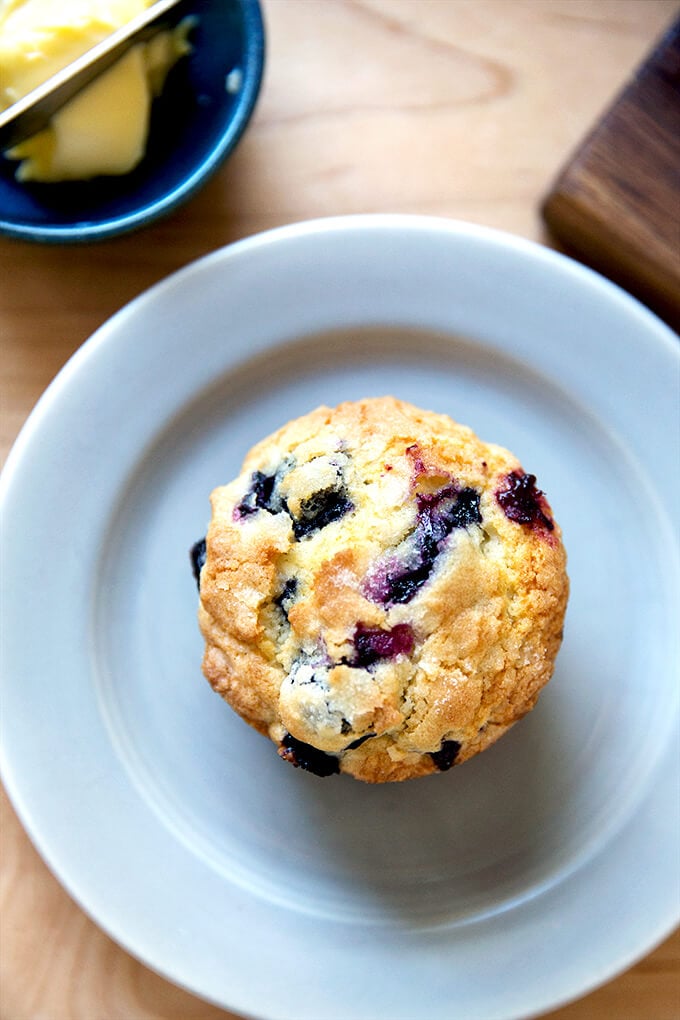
(616, 204)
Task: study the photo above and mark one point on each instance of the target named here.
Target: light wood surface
(460, 108)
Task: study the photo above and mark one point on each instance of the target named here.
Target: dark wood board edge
(616, 203)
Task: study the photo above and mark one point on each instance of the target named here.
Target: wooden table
(459, 108)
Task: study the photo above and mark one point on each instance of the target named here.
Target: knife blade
(33, 111)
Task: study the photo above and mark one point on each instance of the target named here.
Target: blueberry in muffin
(381, 593)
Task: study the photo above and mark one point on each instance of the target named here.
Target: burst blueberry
(197, 555)
(260, 495)
(321, 509)
(522, 502)
(445, 757)
(372, 644)
(407, 570)
(306, 757)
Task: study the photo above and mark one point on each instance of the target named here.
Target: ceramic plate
(501, 889)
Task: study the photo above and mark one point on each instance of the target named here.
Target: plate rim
(106, 335)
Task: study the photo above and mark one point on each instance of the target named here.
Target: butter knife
(33, 111)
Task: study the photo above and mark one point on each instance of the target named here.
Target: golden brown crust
(427, 609)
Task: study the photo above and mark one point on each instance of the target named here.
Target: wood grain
(460, 108)
(616, 205)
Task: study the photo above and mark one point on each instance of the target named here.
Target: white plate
(501, 889)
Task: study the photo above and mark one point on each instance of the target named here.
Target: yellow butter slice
(104, 129)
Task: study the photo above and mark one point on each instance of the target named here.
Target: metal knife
(33, 111)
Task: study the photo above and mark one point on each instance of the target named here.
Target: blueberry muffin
(381, 592)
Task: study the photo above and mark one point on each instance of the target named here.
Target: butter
(104, 129)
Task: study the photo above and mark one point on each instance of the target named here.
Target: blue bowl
(195, 124)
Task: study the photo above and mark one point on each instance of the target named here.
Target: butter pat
(104, 129)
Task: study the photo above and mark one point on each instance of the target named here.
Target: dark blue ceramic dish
(197, 121)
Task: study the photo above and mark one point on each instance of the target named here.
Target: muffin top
(383, 593)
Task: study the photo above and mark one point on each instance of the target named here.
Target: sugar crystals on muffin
(381, 593)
